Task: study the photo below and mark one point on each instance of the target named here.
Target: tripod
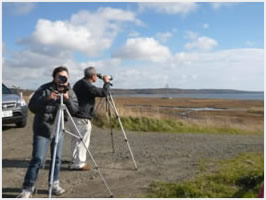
(111, 104)
(60, 130)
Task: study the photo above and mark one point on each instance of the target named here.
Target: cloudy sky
(143, 45)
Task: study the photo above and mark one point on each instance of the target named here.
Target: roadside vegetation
(148, 124)
(173, 115)
(239, 177)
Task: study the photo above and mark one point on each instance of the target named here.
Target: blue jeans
(40, 147)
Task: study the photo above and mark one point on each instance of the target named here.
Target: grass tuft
(240, 177)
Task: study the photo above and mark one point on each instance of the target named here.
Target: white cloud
(30, 68)
(86, 32)
(53, 42)
(143, 49)
(228, 69)
(106, 66)
(196, 42)
(163, 37)
(34, 59)
(70, 37)
(19, 8)
(140, 77)
(194, 76)
(218, 5)
(170, 8)
(202, 44)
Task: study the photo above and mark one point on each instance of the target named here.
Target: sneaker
(25, 194)
(86, 167)
(57, 189)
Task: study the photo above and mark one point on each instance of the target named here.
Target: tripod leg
(96, 166)
(60, 116)
(110, 122)
(111, 101)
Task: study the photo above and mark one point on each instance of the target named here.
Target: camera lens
(62, 79)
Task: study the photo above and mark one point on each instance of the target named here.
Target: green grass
(145, 124)
(240, 177)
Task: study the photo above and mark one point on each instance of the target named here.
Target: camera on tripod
(100, 76)
(62, 88)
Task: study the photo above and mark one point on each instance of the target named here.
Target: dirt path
(159, 156)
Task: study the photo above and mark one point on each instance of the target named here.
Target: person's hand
(53, 95)
(106, 79)
(66, 96)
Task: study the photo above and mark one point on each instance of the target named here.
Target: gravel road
(159, 157)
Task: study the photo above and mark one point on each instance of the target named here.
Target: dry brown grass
(237, 114)
(245, 115)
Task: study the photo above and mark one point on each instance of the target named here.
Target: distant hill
(178, 91)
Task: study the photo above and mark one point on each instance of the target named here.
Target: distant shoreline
(233, 96)
(180, 91)
(190, 93)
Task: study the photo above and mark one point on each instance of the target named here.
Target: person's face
(57, 80)
(94, 78)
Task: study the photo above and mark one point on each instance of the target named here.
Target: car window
(5, 90)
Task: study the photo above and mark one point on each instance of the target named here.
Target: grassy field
(177, 115)
(239, 177)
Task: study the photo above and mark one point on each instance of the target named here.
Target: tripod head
(61, 98)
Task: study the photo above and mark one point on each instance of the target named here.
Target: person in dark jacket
(86, 93)
(44, 104)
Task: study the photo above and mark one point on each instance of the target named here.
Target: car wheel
(21, 124)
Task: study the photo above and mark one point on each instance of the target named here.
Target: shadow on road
(6, 163)
(14, 192)
(7, 127)
(10, 192)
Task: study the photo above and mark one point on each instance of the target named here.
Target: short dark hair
(59, 69)
(89, 72)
